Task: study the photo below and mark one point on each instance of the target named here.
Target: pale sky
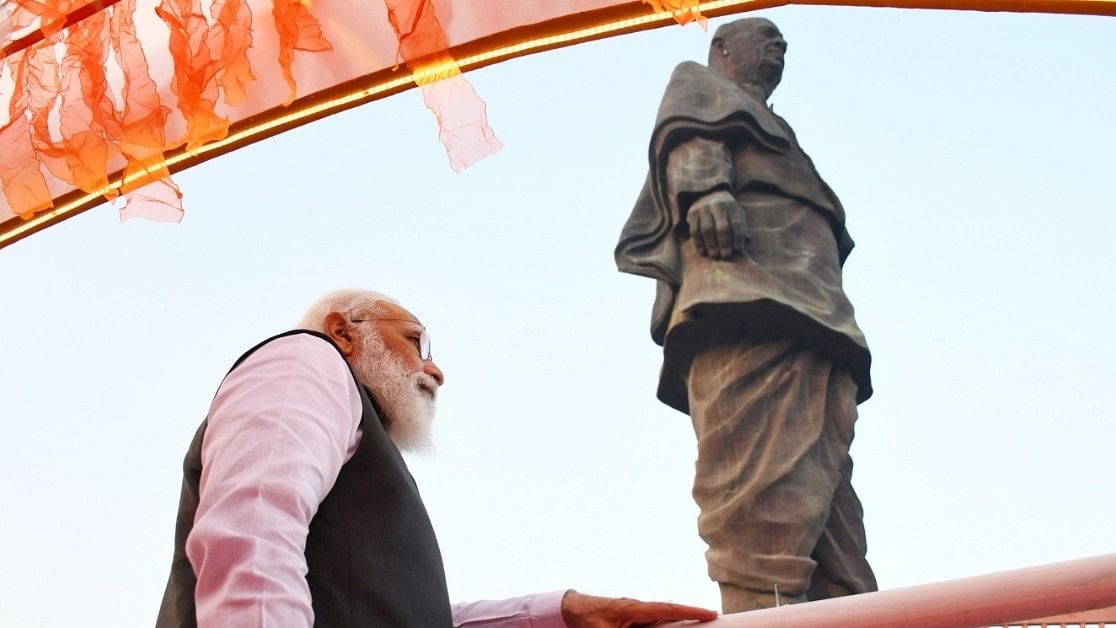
(973, 153)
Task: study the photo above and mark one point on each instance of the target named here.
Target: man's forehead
(393, 310)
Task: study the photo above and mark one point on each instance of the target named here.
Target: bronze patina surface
(761, 348)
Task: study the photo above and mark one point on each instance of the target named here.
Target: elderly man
(760, 345)
(298, 510)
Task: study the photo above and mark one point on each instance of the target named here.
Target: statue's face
(751, 51)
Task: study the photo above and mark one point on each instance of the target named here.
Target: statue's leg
(773, 422)
(841, 552)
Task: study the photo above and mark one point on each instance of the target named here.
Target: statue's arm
(699, 183)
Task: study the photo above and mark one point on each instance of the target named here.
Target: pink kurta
(280, 427)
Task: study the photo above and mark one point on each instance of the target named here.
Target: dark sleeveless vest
(371, 553)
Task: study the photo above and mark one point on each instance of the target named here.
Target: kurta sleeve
(281, 426)
(542, 610)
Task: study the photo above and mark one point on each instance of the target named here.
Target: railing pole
(994, 599)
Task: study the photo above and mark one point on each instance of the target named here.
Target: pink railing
(1009, 598)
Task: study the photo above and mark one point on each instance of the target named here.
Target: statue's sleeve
(695, 168)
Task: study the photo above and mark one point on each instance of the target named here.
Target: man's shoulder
(295, 344)
(303, 338)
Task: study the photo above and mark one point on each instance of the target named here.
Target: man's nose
(432, 370)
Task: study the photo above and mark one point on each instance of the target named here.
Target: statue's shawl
(697, 103)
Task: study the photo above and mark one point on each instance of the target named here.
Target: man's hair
(364, 303)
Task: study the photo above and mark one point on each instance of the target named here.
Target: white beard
(405, 397)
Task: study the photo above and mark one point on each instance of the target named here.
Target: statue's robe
(766, 291)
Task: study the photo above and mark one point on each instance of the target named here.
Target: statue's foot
(736, 599)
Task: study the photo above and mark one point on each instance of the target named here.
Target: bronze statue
(759, 342)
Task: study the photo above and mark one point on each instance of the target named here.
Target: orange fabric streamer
(684, 11)
(462, 121)
(90, 135)
(24, 184)
(422, 41)
(25, 187)
(149, 192)
(143, 120)
(93, 133)
(195, 71)
(461, 114)
(158, 201)
(43, 85)
(88, 114)
(231, 37)
(298, 30)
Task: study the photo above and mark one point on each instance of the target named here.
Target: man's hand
(718, 225)
(589, 611)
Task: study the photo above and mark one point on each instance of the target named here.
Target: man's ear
(338, 328)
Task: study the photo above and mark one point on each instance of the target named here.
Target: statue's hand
(718, 225)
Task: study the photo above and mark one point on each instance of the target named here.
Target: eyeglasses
(424, 337)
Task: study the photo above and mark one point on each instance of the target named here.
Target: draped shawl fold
(701, 103)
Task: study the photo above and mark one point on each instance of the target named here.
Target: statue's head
(749, 52)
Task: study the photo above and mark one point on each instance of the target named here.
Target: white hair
(347, 301)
